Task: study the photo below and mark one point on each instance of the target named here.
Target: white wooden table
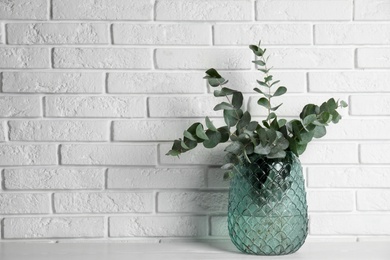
(185, 251)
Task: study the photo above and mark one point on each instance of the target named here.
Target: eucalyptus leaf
(259, 62)
(225, 133)
(213, 73)
(224, 92)
(201, 133)
(235, 147)
(214, 138)
(275, 108)
(237, 99)
(264, 102)
(189, 135)
(280, 91)
(244, 121)
(319, 131)
(223, 106)
(210, 124)
(231, 117)
(343, 103)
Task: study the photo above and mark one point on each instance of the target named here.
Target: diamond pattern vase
(267, 212)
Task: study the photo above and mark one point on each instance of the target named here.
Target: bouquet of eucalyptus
(271, 137)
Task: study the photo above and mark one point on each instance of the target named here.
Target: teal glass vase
(267, 213)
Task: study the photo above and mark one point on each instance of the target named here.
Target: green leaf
(278, 154)
(190, 143)
(244, 121)
(223, 105)
(228, 175)
(335, 117)
(213, 139)
(275, 82)
(271, 135)
(215, 82)
(189, 135)
(259, 62)
(271, 116)
(210, 124)
(301, 148)
(237, 99)
(282, 122)
(252, 126)
(192, 128)
(343, 103)
(274, 124)
(280, 91)
(184, 145)
(275, 108)
(264, 70)
(264, 102)
(309, 119)
(319, 131)
(332, 105)
(201, 133)
(213, 73)
(227, 166)
(262, 83)
(224, 92)
(268, 78)
(308, 110)
(306, 136)
(173, 153)
(231, 117)
(235, 147)
(256, 50)
(225, 133)
(263, 150)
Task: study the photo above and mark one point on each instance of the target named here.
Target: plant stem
(269, 89)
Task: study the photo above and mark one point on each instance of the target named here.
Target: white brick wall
(92, 93)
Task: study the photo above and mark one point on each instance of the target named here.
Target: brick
(28, 154)
(215, 178)
(2, 38)
(219, 226)
(91, 154)
(372, 10)
(99, 202)
(53, 178)
(53, 82)
(375, 153)
(373, 57)
(192, 201)
(306, 10)
(24, 9)
(147, 130)
(158, 226)
(330, 200)
(58, 130)
(198, 156)
(349, 177)
(203, 58)
(32, 58)
(156, 82)
(311, 58)
(160, 178)
(375, 105)
(96, 106)
(349, 81)
(202, 10)
(102, 58)
(56, 227)
(373, 200)
(102, 10)
(187, 106)
(349, 224)
(292, 105)
(3, 131)
(19, 203)
(176, 34)
(71, 33)
(20, 106)
(362, 129)
(273, 34)
(330, 153)
(351, 34)
(245, 81)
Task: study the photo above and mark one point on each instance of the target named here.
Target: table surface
(186, 250)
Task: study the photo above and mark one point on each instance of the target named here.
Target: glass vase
(267, 212)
